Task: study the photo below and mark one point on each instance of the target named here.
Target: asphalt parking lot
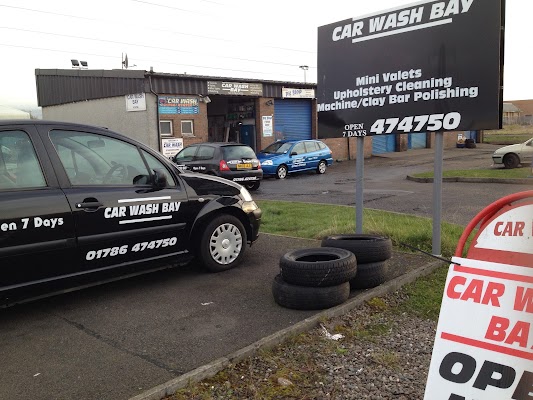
(119, 340)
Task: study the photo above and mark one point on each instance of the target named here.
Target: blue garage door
(417, 140)
(470, 135)
(383, 144)
(292, 119)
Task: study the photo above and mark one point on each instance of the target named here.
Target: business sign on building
(171, 147)
(135, 102)
(268, 127)
(295, 93)
(177, 105)
(428, 66)
(484, 342)
(235, 88)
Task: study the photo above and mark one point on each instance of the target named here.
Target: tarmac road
(121, 339)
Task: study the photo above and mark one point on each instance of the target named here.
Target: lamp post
(305, 68)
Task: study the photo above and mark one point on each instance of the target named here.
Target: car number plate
(244, 166)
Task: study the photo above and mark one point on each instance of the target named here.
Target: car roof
(5, 122)
(218, 144)
(296, 140)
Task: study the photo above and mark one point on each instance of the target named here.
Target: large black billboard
(427, 66)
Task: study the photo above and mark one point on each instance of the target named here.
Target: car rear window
(237, 152)
(205, 153)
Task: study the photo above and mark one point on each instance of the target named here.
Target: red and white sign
(484, 342)
(506, 237)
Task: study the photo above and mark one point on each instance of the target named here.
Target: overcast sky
(228, 38)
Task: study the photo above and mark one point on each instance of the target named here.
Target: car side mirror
(160, 178)
(294, 153)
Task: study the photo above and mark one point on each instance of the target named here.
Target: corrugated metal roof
(68, 86)
(60, 86)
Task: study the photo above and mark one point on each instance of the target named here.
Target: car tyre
(253, 186)
(281, 172)
(321, 167)
(318, 267)
(308, 298)
(511, 161)
(368, 248)
(222, 243)
(470, 144)
(369, 275)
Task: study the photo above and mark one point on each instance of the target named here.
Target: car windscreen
(277, 148)
(237, 152)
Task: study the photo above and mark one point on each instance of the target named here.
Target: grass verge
(314, 221)
(499, 173)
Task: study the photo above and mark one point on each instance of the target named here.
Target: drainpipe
(157, 110)
(348, 141)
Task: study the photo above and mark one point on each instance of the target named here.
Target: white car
(513, 155)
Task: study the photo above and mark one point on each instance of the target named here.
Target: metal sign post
(359, 175)
(437, 193)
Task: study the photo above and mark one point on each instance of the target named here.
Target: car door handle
(89, 204)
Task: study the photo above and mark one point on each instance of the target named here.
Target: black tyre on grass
(318, 267)
(368, 248)
(369, 275)
(308, 298)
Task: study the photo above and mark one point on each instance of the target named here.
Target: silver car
(515, 154)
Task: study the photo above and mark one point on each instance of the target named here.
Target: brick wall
(263, 109)
(346, 148)
(199, 125)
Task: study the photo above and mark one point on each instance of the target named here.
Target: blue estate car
(287, 156)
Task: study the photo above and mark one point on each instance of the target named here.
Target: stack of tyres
(372, 253)
(314, 278)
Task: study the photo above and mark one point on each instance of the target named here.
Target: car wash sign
(428, 66)
(484, 342)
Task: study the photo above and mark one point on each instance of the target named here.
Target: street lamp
(305, 68)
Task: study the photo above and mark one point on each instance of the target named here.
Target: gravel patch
(383, 354)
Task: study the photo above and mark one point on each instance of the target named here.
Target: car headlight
(266, 162)
(248, 205)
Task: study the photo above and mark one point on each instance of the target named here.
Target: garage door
(417, 140)
(383, 144)
(292, 119)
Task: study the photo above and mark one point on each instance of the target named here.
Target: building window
(187, 128)
(165, 128)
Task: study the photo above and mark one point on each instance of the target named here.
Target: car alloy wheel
(222, 243)
(321, 168)
(281, 172)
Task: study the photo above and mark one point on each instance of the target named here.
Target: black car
(234, 161)
(83, 204)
